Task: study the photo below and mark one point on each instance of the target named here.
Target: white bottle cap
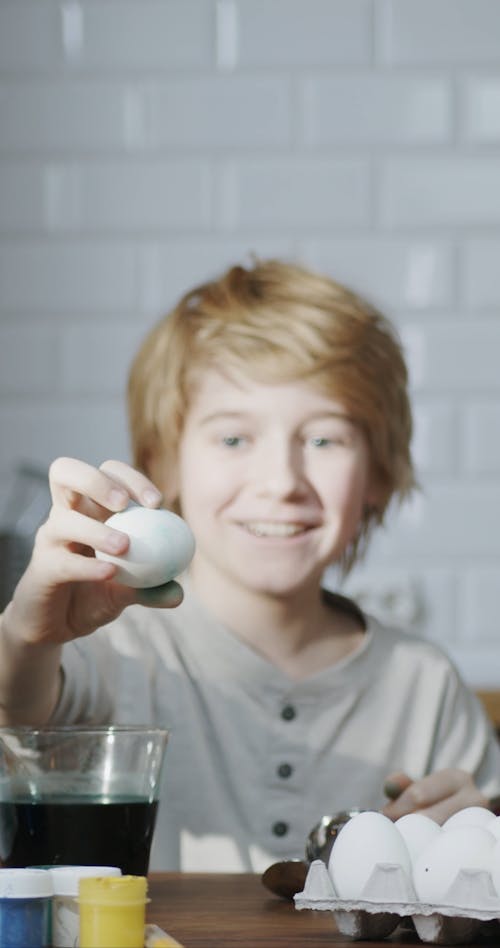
(25, 884)
(65, 878)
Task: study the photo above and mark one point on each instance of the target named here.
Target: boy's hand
(437, 795)
(66, 592)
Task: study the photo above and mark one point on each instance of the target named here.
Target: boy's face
(272, 479)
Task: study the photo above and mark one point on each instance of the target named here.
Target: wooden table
(208, 910)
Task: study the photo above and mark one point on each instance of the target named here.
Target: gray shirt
(254, 758)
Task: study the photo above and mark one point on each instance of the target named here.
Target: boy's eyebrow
(314, 416)
(221, 415)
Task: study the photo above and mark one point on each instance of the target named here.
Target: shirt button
(280, 828)
(288, 712)
(285, 770)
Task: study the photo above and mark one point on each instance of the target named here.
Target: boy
(270, 409)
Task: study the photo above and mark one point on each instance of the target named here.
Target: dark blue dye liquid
(84, 832)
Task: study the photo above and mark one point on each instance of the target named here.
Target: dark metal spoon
(288, 877)
(323, 834)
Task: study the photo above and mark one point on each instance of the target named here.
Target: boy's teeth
(274, 529)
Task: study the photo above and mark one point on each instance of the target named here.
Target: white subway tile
(77, 276)
(65, 114)
(453, 357)
(414, 348)
(375, 109)
(150, 35)
(28, 359)
(168, 269)
(412, 273)
(127, 195)
(96, 358)
(220, 112)
(477, 664)
(481, 110)
(277, 192)
(451, 522)
(430, 596)
(454, 191)
(21, 197)
(92, 429)
(28, 35)
(481, 436)
(439, 31)
(104, 195)
(437, 618)
(478, 605)
(434, 444)
(480, 272)
(288, 32)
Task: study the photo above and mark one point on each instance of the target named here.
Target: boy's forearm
(30, 679)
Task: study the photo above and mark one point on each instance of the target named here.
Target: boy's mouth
(264, 528)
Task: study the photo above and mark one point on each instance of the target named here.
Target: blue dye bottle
(25, 908)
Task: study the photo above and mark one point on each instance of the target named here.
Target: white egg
(495, 865)
(437, 866)
(367, 839)
(494, 826)
(470, 816)
(417, 831)
(161, 546)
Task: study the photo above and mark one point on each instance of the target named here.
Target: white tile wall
(38, 275)
(295, 33)
(30, 359)
(28, 36)
(479, 273)
(220, 112)
(289, 191)
(129, 35)
(480, 441)
(457, 356)
(481, 109)
(397, 273)
(374, 110)
(446, 32)
(147, 144)
(435, 438)
(167, 268)
(457, 191)
(81, 116)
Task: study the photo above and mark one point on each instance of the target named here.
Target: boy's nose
(281, 471)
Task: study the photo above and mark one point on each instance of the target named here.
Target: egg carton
(471, 906)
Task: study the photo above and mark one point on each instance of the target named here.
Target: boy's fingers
(445, 808)
(437, 795)
(71, 480)
(396, 783)
(136, 484)
(97, 492)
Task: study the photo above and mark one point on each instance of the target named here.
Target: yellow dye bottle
(112, 911)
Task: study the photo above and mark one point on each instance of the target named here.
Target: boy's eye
(321, 442)
(232, 441)
(327, 442)
(342, 438)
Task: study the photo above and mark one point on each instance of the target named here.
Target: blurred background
(148, 144)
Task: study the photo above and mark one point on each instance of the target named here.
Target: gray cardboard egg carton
(471, 907)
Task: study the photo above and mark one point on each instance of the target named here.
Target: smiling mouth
(262, 528)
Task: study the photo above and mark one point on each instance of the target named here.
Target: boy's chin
(281, 586)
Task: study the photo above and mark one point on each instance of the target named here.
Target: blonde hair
(277, 321)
